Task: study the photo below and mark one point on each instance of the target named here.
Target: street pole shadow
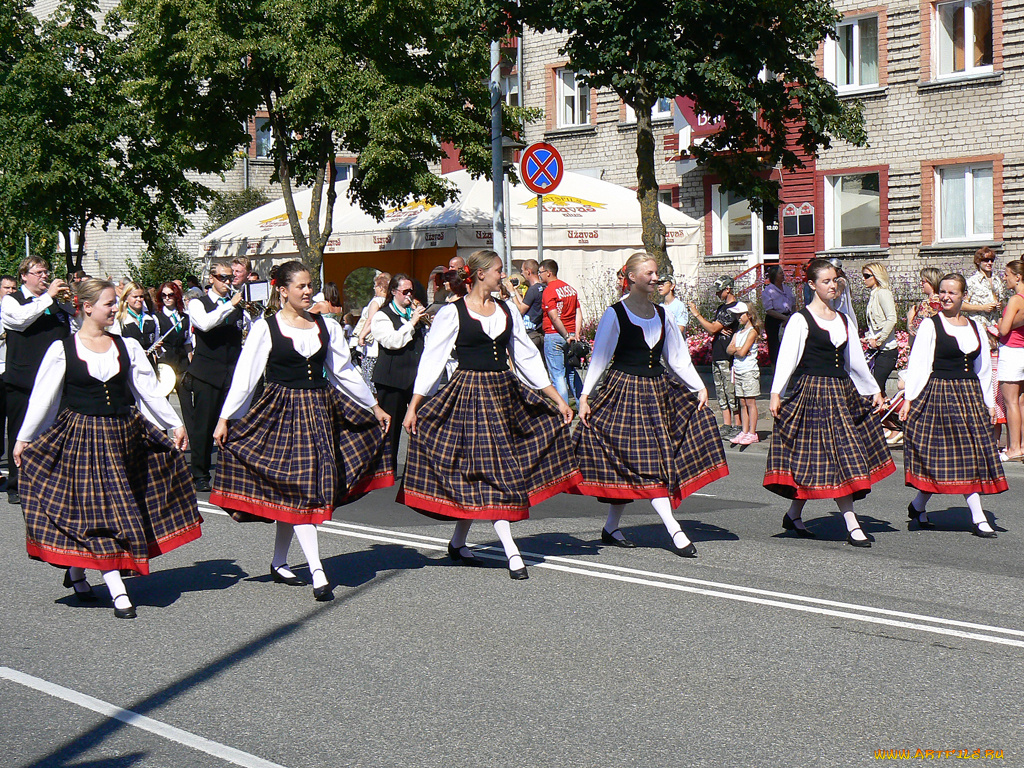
(353, 569)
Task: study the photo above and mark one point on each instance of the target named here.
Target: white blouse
(675, 351)
(44, 403)
(922, 356)
(252, 363)
(205, 321)
(792, 349)
(444, 330)
(18, 317)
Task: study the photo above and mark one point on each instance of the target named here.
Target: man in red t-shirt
(562, 317)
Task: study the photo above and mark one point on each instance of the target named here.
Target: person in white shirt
(103, 485)
(7, 285)
(948, 410)
(827, 442)
(675, 307)
(315, 438)
(746, 374)
(648, 434)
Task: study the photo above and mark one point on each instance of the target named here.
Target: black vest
(632, 355)
(217, 349)
(25, 349)
(92, 397)
(474, 349)
(397, 367)
(821, 357)
(175, 354)
(145, 335)
(288, 368)
(950, 361)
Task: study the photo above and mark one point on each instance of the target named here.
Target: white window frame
(832, 232)
(662, 110)
(969, 67)
(832, 55)
(580, 94)
(509, 86)
(756, 254)
(256, 138)
(969, 234)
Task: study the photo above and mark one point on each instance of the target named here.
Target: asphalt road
(767, 650)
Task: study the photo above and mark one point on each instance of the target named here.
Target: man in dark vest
(33, 319)
(398, 329)
(217, 324)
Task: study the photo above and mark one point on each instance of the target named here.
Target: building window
(662, 110)
(964, 37)
(264, 137)
(665, 197)
(964, 202)
(852, 58)
(737, 228)
(510, 89)
(853, 214)
(344, 171)
(573, 99)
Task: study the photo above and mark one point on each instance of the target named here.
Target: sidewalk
(765, 421)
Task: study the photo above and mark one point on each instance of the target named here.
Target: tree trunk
(647, 190)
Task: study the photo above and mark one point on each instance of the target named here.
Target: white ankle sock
(504, 530)
(611, 525)
(977, 513)
(664, 509)
(845, 505)
(306, 534)
(117, 591)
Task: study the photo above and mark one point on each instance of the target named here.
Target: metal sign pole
(540, 228)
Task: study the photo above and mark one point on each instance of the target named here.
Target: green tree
(388, 81)
(228, 206)
(161, 263)
(715, 52)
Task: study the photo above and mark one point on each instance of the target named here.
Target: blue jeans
(554, 356)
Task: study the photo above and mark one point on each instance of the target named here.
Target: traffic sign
(541, 168)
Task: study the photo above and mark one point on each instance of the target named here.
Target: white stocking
(504, 530)
(845, 505)
(796, 510)
(117, 590)
(282, 541)
(977, 513)
(460, 533)
(306, 534)
(919, 503)
(611, 525)
(664, 509)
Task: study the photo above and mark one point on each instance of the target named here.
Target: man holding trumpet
(34, 317)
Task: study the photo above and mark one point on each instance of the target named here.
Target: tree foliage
(228, 206)
(162, 262)
(714, 51)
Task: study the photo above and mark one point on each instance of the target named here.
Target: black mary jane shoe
(915, 517)
(280, 578)
(124, 613)
(789, 525)
(983, 534)
(690, 550)
(84, 596)
(325, 593)
(609, 538)
(456, 555)
(519, 574)
(863, 543)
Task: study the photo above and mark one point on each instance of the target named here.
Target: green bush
(163, 263)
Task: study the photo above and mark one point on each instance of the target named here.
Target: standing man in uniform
(33, 320)
(217, 324)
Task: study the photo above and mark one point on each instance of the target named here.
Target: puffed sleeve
(677, 355)
(44, 403)
(252, 362)
(856, 363)
(921, 360)
(437, 349)
(344, 376)
(18, 317)
(791, 349)
(605, 339)
(144, 385)
(526, 358)
(983, 368)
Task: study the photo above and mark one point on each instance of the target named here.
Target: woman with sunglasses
(985, 292)
(881, 322)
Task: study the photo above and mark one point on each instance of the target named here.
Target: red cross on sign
(541, 168)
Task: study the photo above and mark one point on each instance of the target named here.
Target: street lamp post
(509, 147)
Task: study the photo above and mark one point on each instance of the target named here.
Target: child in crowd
(746, 373)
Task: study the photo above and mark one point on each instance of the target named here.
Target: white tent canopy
(588, 224)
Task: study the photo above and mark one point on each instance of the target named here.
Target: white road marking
(795, 602)
(169, 732)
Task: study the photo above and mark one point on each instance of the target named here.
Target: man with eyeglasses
(33, 320)
(217, 324)
(398, 328)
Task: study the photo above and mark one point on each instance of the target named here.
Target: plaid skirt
(107, 493)
(486, 448)
(647, 439)
(827, 443)
(300, 453)
(948, 445)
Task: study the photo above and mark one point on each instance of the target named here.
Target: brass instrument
(64, 295)
(427, 318)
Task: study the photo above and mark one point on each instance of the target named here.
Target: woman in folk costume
(648, 434)
(485, 447)
(948, 409)
(311, 442)
(102, 487)
(133, 320)
(827, 442)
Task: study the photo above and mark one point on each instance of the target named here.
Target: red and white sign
(541, 168)
(701, 124)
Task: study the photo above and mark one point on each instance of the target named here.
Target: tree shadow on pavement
(353, 569)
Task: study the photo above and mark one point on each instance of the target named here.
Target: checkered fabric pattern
(647, 439)
(106, 493)
(486, 448)
(826, 443)
(947, 444)
(300, 453)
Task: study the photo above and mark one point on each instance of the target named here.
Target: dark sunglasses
(989, 261)
(166, 295)
(407, 292)
(222, 278)
(867, 275)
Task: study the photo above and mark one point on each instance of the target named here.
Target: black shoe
(915, 517)
(280, 578)
(13, 497)
(983, 534)
(203, 486)
(456, 555)
(789, 525)
(125, 613)
(519, 574)
(609, 538)
(688, 551)
(325, 593)
(864, 543)
(84, 596)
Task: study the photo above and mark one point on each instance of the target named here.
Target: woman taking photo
(930, 305)
(1011, 359)
(314, 439)
(948, 444)
(102, 487)
(881, 322)
(485, 447)
(648, 435)
(827, 442)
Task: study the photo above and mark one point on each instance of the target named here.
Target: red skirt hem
(984, 487)
(372, 483)
(564, 485)
(121, 562)
(633, 493)
(834, 492)
(269, 511)
(442, 508)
